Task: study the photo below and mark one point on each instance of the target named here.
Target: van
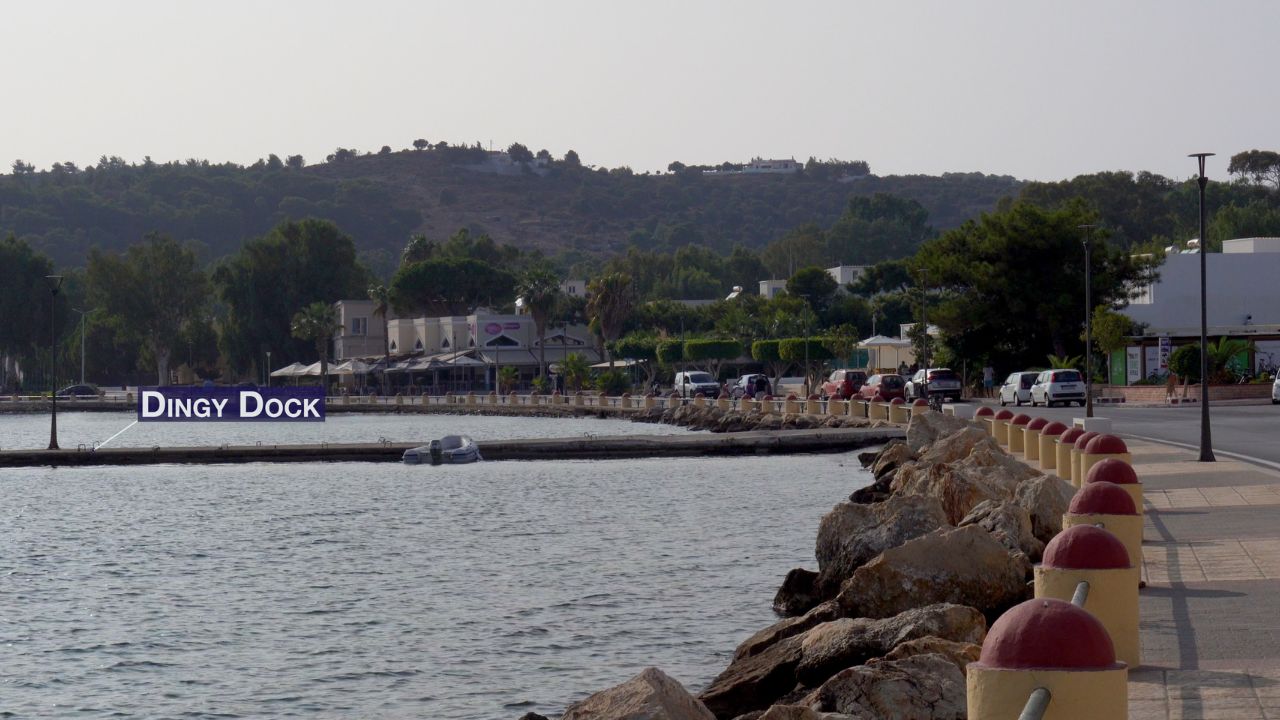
(689, 384)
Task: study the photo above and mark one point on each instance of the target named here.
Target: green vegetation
(316, 323)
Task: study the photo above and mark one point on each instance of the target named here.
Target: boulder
(923, 687)
(1045, 498)
(733, 421)
(891, 458)
(798, 594)
(868, 457)
(852, 534)
(957, 565)
(533, 716)
(1009, 523)
(651, 695)
(771, 421)
(799, 712)
(925, 428)
(960, 653)
(796, 653)
(782, 629)
(833, 646)
(956, 446)
(986, 473)
(833, 421)
(877, 491)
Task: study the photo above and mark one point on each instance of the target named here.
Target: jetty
(586, 447)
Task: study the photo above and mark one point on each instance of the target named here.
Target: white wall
(1239, 284)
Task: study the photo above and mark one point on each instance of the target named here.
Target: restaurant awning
(290, 370)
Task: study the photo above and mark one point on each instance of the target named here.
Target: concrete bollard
(1100, 448)
(513, 398)
(1000, 424)
(399, 399)
(579, 400)
(791, 406)
(878, 409)
(1050, 644)
(649, 401)
(1062, 450)
(556, 397)
(1084, 553)
(1016, 436)
(1119, 472)
(984, 417)
(673, 400)
(836, 406)
(471, 398)
(766, 405)
(724, 403)
(858, 408)
(899, 412)
(1077, 451)
(699, 400)
(1031, 438)
(1108, 505)
(813, 405)
(1049, 435)
(920, 405)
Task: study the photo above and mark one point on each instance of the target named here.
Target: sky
(1034, 89)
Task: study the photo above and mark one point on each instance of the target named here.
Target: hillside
(571, 213)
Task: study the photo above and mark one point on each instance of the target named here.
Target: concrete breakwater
(910, 572)
(573, 448)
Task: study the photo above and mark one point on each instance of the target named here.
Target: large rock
(986, 473)
(799, 712)
(1045, 498)
(766, 669)
(926, 427)
(961, 565)
(1009, 523)
(651, 695)
(923, 687)
(757, 643)
(957, 446)
(891, 458)
(798, 594)
(833, 646)
(851, 534)
(960, 653)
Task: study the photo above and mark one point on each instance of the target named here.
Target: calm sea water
(379, 590)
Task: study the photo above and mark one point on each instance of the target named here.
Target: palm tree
(575, 370)
(317, 322)
(507, 378)
(1064, 362)
(1221, 352)
(381, 297)
(540, 292)
(609, 304)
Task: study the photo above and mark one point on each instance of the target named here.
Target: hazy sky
(1033, 89)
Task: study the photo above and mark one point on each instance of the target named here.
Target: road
(1249, 430)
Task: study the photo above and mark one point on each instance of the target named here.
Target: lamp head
(55, 282)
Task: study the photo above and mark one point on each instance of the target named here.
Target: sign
(1115, 363)
(1166, 347)
(1133, 364)
(1152, 364)
(511, 326)
(493, 328)
(227, 404)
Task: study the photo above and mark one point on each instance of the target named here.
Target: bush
(670, 352)
(613, 382)
(699, 350)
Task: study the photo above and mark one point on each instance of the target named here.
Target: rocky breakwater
(713, 418)
(911, 571)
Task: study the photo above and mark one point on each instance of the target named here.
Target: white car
(1058, 386)
(1017, 388)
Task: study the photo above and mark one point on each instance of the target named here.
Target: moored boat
(448, 450)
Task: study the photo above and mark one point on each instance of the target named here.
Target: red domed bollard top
(1048, 634)
(920, 402)
(815, 396)
(1083, 439)
(1037, 423)
(1069, 436)
(877, 398)
(1053, 429)
(1004, 415)
(1020, 419)
(1085, 547)
(1106, 445)
(896, 401)
(984, 411)
(791, 396)
(1111, 470)
(1102, 498)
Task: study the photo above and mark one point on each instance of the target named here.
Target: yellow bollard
(1108, 505)
(919, 405)
(1050, 644)
(1084, 553)
(724, 403)
(1001, 424)
(1077, 451)
(858, 408)
(1114, 470)
(984, 416)
(471, 398)
(898, 412)
(1016, 436)
(836, 406)
(1031, 438)
(878, 409)
(1062, 450)
(1049, 435)
(813, 406)
(1101, 448)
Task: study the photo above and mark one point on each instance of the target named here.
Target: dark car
(888, 385)
(80, 391)
(843, 384)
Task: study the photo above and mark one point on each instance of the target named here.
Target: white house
(760, 165)
(769, 289)
(361, 332)
(845, 274)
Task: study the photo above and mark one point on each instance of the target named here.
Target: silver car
(1017, 388)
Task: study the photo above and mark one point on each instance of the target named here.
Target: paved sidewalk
(1211, 609)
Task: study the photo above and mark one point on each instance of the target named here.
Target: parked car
(942, 381)
(689, 384)
(888, 385)
(843, 384)
(1017, 388)
(1058, 386)
(745, 385)
(80, 391)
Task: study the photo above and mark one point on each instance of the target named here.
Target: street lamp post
(1088, 319)
(268, 383)
(55, 284)
(1206, 441)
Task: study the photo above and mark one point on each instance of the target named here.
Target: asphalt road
(1252, 431)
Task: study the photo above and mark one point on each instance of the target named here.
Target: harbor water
(380, 590)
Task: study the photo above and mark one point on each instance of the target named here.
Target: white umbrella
(289, 370)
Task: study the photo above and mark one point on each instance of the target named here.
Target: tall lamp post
(55, 284)
(1206, 441)
(1088, 318)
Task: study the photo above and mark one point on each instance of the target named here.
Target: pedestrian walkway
(1211, 609)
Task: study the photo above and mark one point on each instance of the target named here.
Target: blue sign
(228, 404)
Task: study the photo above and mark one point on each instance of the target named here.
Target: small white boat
(448, 450)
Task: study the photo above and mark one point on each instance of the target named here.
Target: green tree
(420, 144)
(670, 352)
(877, 228)
(815, 286)
(507, 377)
(769, 354)
(572, 160)
(1067, 362)
(316, 323)
(642, 348)
(802, 247)
(1185, 363)
(519, 153)
(381, 297)
(1110, 331)
(809, 353)
(609, 302)
(575, 370)
(24, 322)
(418, 248)
(710, 355)
(841, 341)
(540, 291)
(449, 286)
(263, 285)
(1261, 166)
(152, 291)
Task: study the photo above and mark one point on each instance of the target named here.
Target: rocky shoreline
(718, 420)
(910, 572)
